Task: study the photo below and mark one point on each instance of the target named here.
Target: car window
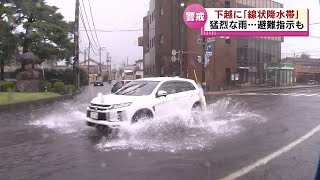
(138, 88)
(169, 87)
(184, 86)
(191, 86)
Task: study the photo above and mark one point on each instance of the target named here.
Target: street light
(182, 4)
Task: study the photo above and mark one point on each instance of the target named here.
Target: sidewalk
(259, 89)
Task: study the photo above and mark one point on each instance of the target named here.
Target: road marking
(268, 158)
(311, 95)
(296, 95)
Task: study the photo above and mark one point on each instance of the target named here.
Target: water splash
(65, 119)
(222, 118)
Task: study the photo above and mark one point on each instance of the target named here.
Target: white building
(139, 69)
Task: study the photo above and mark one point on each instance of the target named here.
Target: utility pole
(110, 65)
(76, 49)
(204, 84)
(85, 54)
(181, 29)
(100, 70)
(108, 70)
(127, 60)
(89, 50)
(114, 75)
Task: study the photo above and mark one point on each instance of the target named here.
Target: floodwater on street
(53, 142)
(223, 118)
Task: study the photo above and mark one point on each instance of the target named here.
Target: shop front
(282, 74)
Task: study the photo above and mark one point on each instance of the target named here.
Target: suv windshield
(138, 88)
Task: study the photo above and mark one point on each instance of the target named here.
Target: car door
(185, 95)
(165, 106)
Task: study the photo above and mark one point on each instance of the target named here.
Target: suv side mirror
(162, 93)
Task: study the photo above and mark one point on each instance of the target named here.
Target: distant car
(311, 82)
(119, 85)
(146, 98)
(98, 83)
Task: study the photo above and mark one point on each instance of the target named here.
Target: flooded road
(54, 142)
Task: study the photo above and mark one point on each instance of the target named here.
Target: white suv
(145, 98)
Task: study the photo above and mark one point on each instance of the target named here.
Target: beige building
(94, 69)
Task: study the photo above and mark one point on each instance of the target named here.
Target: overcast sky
(112, 15)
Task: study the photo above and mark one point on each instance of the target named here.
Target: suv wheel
(196, 112)
(142, 115)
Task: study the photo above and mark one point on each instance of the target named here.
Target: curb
(34, 104)
(258, 90)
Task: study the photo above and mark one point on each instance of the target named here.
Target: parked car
(98, 83)
(312, 82)
(119, 85)
(145, 99)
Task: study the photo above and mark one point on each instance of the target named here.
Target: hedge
(59, 87)
(6, 86)
(71, 89)
(49, 86)
(63, 75)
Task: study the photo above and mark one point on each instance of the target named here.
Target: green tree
(46, 34)
(8, 47)
(305, 56)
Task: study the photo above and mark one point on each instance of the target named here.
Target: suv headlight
(117, 106)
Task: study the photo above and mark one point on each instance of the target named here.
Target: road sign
(173, 52)
(208, 47)
(200, 40)
(207, 60)
(211, 39)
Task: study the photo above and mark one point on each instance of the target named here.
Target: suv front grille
(98, 107)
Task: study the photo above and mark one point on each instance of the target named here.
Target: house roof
(90, 61)
(300, 60)
(130, 67)
(141, 60)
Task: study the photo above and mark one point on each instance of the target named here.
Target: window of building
(152, 42)
(227, 4)
(161, 71)
(150, 45)
(161, 39)
(269, 4)
(309, 67)
(152, 15)
(150, 19)
(161, 12)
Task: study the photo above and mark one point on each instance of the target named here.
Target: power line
(85, 12)
(94, 26)
(85, 27)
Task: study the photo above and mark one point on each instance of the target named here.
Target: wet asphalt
(31, 152)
